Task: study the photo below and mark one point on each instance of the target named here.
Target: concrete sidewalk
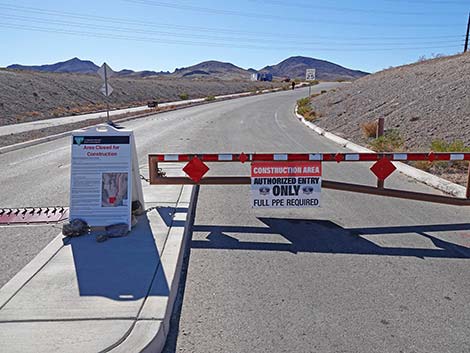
(93, 297)
(46, 123)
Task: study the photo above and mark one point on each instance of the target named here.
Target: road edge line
(415, 173)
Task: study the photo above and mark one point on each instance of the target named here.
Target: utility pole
(468, 31)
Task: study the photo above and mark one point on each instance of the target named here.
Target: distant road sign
(105, 72)
(310, 75)
(107, 92)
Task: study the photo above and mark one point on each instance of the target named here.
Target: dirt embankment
(425, 101)
(27, 96)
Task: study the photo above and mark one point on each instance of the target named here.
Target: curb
(178, 106)
(150, 332)
(157, 345)
(415, 173)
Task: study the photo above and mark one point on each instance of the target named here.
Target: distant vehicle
(261, 77)
(152, 104)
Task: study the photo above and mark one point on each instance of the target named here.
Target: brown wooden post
(380, 127)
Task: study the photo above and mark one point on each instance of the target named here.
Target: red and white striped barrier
(325, 157)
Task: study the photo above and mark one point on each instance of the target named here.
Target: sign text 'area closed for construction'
(285, 184)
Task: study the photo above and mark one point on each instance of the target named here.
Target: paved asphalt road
(360, 274)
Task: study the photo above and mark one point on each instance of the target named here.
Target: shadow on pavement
(321, 236)
(120, 268)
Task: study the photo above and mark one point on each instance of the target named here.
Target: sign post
(285, 184)
(310, 75)
(105, 72)
(104, 176)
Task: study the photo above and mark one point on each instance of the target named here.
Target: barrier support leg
(380, 183)
(153, 169)
(468, 182)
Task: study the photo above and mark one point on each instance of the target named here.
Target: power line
(114, 28)
(232, 31)
(430, 2)
(343, 9)
(198, 43)
(213, 11)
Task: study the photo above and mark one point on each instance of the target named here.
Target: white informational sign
(108, 92)
(285, 184)
(310, 74)
(105, 72)
(104, 176)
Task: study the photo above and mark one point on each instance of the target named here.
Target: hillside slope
(294, 67)
(27, 95)
(425, 101)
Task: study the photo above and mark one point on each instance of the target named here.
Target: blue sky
(163, 35)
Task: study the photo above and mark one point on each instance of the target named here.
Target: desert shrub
(369, 129)
(183, 96)
(391, 141)
(323, 91)
(210, 98)
(305, 109)
(454, 146)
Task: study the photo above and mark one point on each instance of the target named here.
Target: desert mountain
(78, 66)
(294, 67)
(213, 68)
(74, 65)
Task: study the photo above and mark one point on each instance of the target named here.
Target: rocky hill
(28, 95)
(424, 101)
(221, 70)
(79, 66)
(294, 67)
(74, 65)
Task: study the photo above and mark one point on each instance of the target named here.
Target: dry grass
(369, 129)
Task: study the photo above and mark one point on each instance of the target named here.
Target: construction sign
(285, 184)
(104, 176)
